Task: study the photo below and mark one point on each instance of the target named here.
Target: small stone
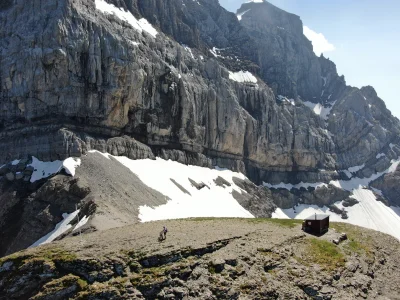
(19, 175)
(10, 176)
(336, 277)
(352, 267)
(218, 265)
(335, 241)
(180, 292)
(231, 261)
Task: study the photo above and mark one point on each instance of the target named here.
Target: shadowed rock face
(30, 211)
(73, 79)
(388, 184)
(322, 196)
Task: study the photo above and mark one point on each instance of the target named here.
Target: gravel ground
(182, 233)
(117, 192)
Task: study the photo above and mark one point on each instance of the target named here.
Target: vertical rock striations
(75, 78)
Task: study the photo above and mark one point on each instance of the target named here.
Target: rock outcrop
(388, 186)
(322, 196)
(28, 211)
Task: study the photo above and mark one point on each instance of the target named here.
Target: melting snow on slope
(61, 227)
(351, 170)
(239, 16)
(319, 109)
(139, 25)
(211, 201)
(242, 76)
(81, 222)
(356, 168)
(368, 213)
(44, 169)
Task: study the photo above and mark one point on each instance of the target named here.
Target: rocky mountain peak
(261, 16)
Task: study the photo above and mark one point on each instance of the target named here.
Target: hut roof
(317, 217)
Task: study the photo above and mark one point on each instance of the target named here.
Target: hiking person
(163, 234)
(165, 230)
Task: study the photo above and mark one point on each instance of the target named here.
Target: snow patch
(188, 50)
(15, 162)
(60, 228)
(210, 201)
(239, 16)
(242, 76)
(45, 169)
(82, 222)
(356, 168)
(124, 15)
(214, 52)
(284, 99)
(320, 110)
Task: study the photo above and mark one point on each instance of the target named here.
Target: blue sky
(365, 35)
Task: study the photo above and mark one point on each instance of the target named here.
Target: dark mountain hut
(316, 224)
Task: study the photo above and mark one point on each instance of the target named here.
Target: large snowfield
(210, 201)
(184, 200)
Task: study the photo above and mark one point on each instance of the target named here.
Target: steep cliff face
(73, 72)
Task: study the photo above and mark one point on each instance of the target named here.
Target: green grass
(290, 223)
(357, 241)
(324, 253)
(46, 254)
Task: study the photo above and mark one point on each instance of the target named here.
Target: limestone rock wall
(73, 78)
